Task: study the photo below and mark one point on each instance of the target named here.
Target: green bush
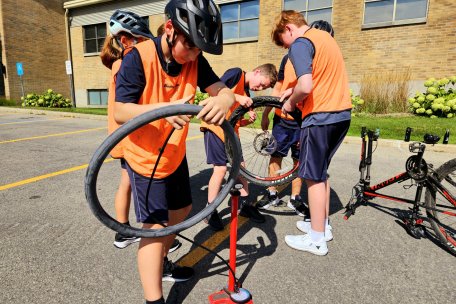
(7, 102)
(357, 102)
(48, 99)
(439, 99)
(199, 96)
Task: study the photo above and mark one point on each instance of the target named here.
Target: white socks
(316, 236)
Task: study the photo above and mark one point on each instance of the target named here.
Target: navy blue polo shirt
(232, 77)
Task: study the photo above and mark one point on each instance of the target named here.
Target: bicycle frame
(364, 168)
(368, 192)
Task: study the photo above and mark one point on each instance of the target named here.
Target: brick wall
(89, 72)
(429, 50)
(34, 34)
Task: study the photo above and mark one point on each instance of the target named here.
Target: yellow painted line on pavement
(197, 254)
(30, 121)
(41, 177)
(51, 135)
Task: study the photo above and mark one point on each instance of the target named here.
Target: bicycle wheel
(443, 218)
(258, 145)
(112, 140)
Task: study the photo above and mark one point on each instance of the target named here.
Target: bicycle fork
(357, 198)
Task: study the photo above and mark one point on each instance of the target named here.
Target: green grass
(7, 103)
(393, 127)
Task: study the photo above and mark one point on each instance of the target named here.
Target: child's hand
(178, 122)
(287, 93)
(244, 101)
(252, 116)
(214, 110)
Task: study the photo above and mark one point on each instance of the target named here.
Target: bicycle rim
(112, 140)
(257, 146)
(443, 219)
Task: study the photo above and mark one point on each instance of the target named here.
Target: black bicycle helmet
(198, 20)
(323, 25)
(125, 21)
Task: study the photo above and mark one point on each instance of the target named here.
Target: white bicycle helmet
(125, 21)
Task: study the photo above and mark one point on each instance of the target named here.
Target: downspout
(70, 56)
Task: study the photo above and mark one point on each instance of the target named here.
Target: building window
(378, 13)
(240, 21)
(312, 10)
(94, 36)
(97, 97)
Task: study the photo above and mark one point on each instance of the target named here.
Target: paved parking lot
(53, 250)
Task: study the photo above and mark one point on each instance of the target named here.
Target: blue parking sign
(20, 70)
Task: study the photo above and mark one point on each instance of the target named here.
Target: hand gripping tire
(258, 145)
(112, 140)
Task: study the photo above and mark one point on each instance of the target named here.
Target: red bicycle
(439, 184)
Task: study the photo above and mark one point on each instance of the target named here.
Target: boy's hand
(244, 101)
(288, 106)
(287, 93)
(252, 116)
(214, 110)
(179, 121)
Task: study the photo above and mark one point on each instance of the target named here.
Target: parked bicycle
(439, 184)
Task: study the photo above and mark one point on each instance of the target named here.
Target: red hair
(286, 17)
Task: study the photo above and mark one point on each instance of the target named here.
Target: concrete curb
(349, 139)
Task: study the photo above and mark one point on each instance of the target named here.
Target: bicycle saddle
(431, 139)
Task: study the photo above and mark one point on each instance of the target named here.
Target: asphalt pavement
(53, 250)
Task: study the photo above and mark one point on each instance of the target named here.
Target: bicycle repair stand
(233, 293)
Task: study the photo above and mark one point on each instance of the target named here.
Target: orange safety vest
(289, 76)
(330, 91)
(117, 151)
(141, 148)
(239, 89)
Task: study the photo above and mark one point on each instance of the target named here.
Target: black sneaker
(214, 221)
(175, 245)
(299, 207)
(175, 273)
(252, 213)
(121, 241)
(272, 200)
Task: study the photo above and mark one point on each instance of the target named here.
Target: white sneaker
(305, 243)
(304, 226)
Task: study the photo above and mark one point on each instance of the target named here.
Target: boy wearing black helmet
(162, 71)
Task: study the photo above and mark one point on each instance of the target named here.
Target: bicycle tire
(253, 155)
(112, 140)
(444, 225)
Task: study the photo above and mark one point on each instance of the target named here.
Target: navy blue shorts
(215, 149)
(170, 193)
(318, 146)
(287, 138)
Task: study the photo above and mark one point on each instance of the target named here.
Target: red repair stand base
(232, 294)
